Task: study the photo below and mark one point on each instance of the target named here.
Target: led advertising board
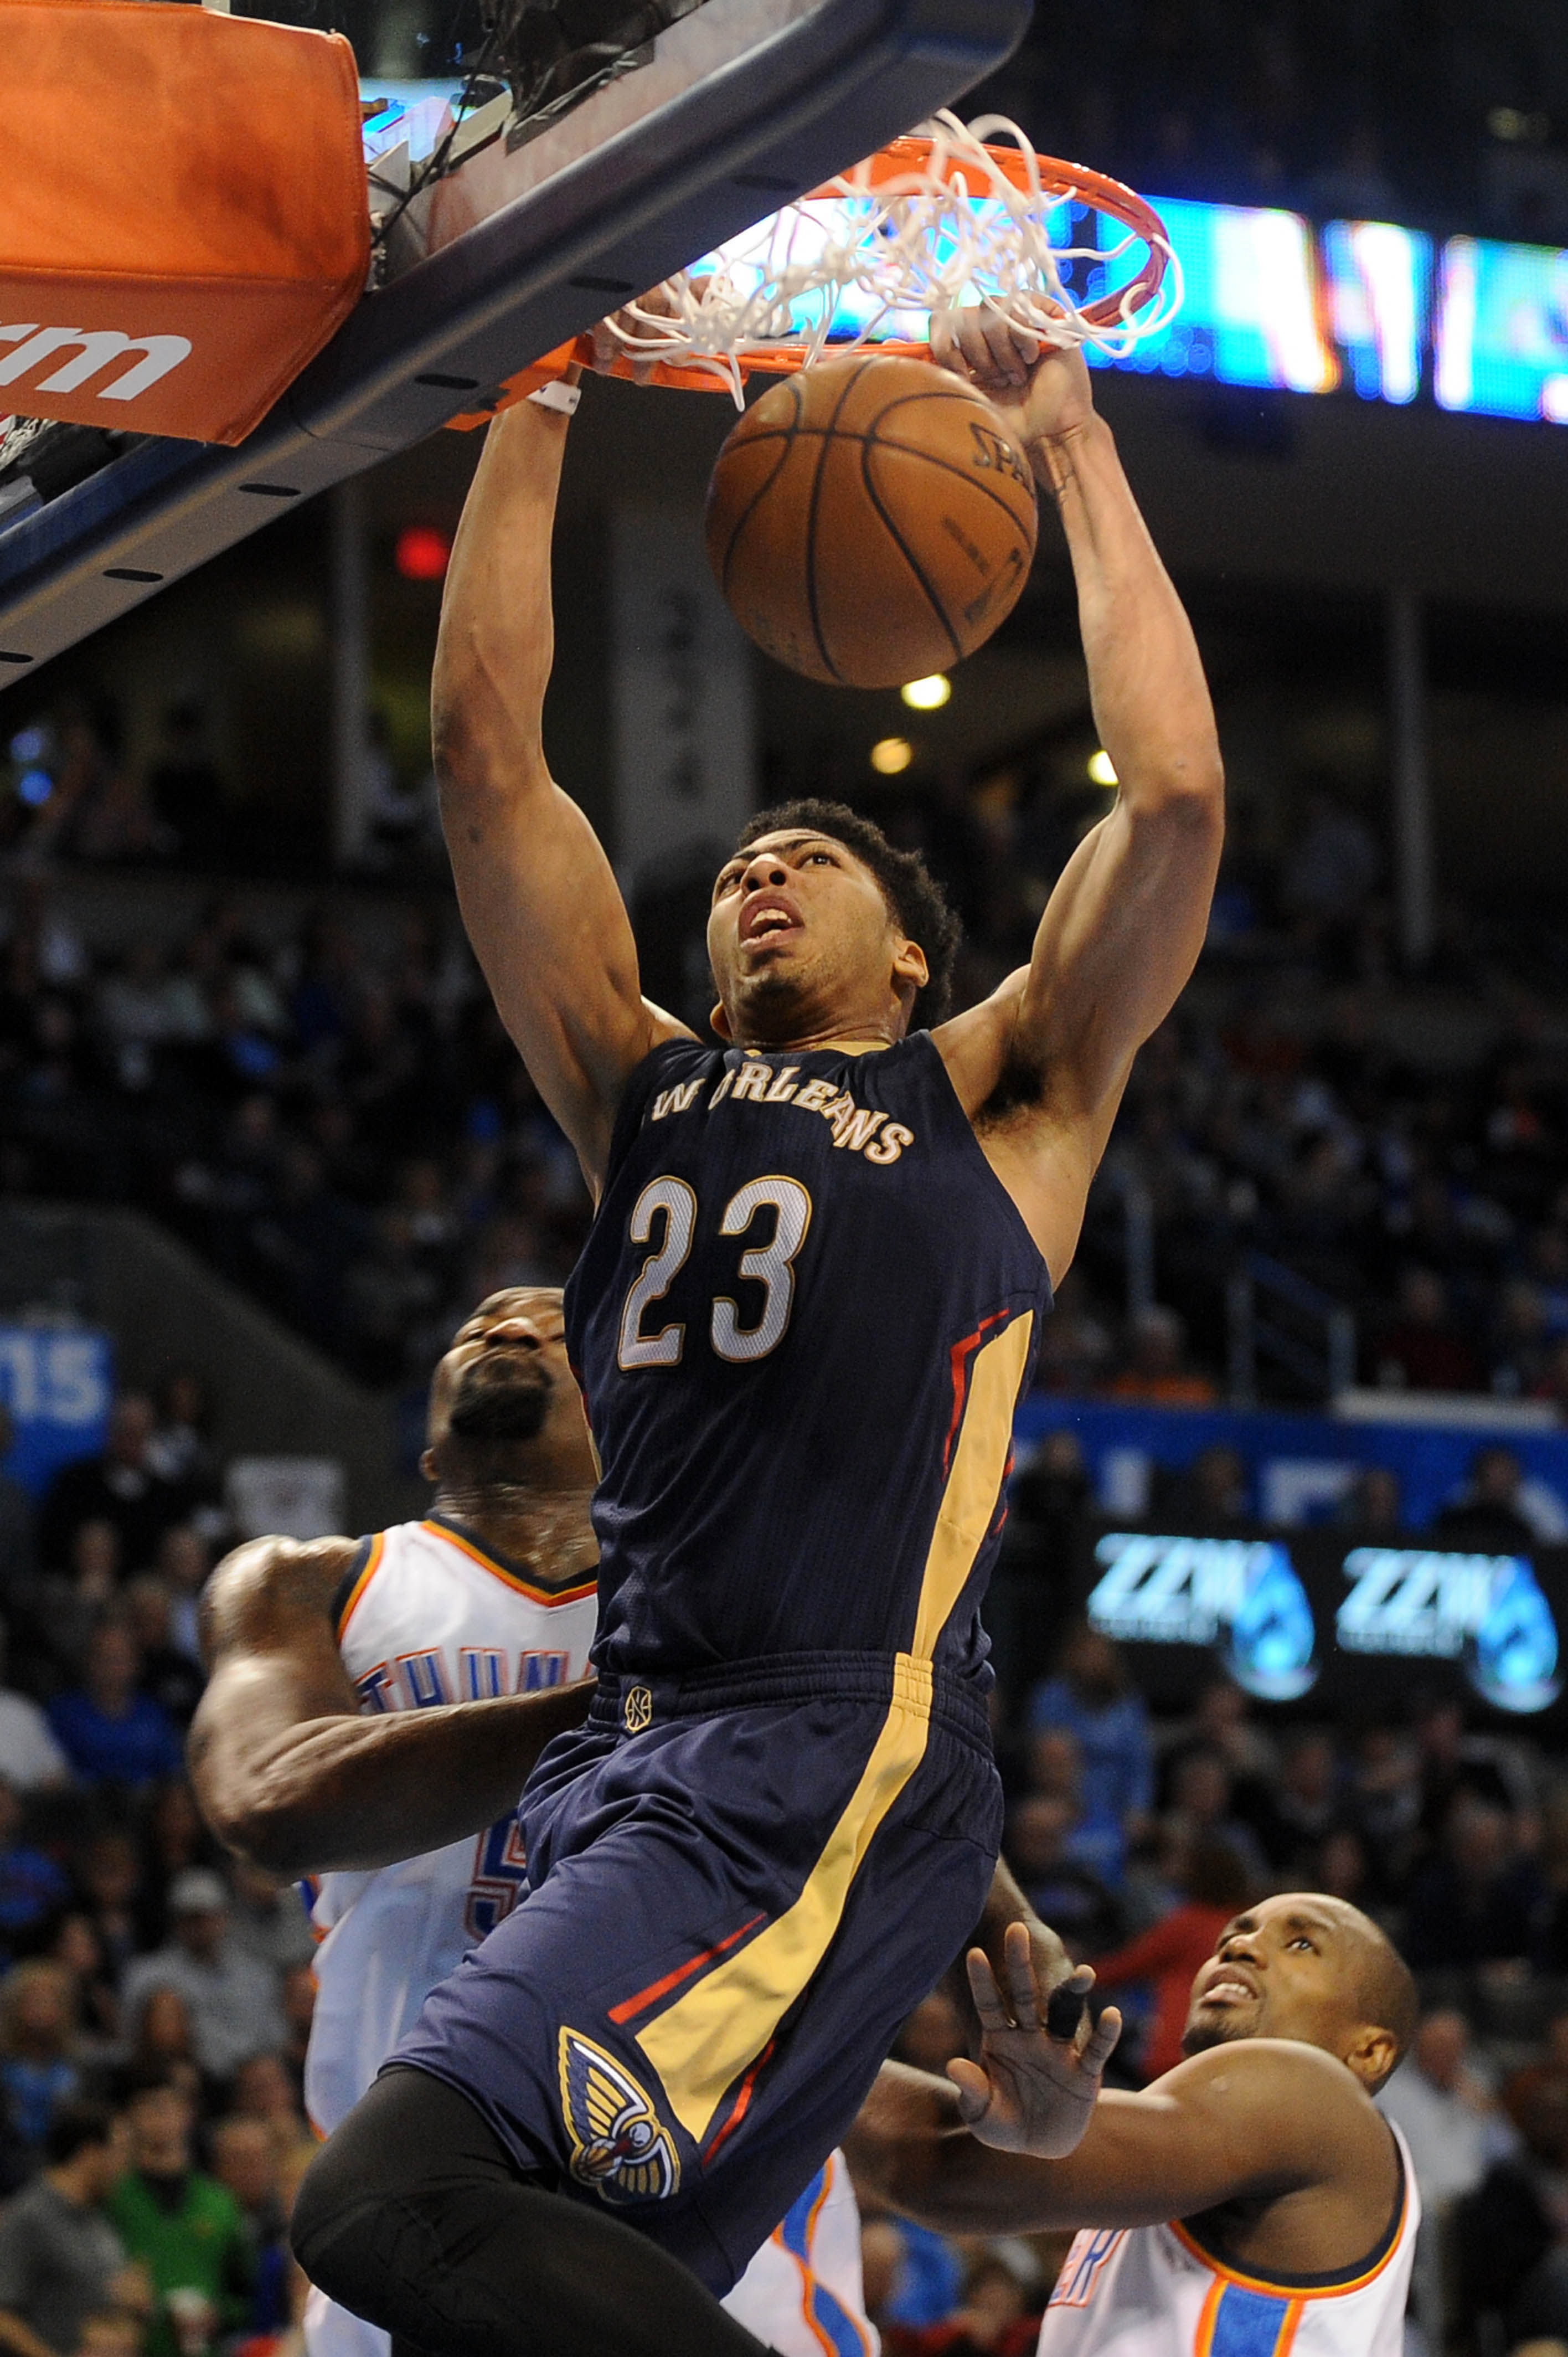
(1310, 1614)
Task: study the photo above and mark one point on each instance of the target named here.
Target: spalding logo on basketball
(871, 520)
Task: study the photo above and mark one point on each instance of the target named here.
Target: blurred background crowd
(317, 1094)
(156, 1997)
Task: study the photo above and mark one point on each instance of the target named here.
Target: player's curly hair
(915, 899)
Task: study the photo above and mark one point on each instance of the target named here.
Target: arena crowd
(155, 1998)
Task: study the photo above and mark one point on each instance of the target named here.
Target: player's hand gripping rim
(1035, 2086)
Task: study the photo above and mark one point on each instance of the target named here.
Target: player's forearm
(347, 1793)
(1142, 2161)
(497, 642)
(1151, 700)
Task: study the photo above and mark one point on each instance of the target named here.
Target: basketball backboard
(529, 241)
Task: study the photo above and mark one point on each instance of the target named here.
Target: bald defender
(1251, 2202)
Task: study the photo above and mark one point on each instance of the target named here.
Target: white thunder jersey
(428, 1616)
(1154, 2291)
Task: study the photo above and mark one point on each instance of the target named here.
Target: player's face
(801, 942)
(507, 1381)
(1289, 1967)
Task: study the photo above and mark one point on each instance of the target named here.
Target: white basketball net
(862, 264)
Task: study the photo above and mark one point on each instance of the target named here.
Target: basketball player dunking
(804, 1317)
(301, 1756)
(1253, 2202)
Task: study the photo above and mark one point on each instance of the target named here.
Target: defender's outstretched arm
(537, 893)
(1257, 2118)
(1124, 927)
(287, 1771)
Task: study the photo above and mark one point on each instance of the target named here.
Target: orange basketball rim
(906, 165)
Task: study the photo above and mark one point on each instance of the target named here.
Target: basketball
(871, 520)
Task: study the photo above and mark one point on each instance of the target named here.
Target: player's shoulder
(266, 1587)
(1274, 2078)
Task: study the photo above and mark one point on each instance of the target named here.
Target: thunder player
(491, 1596)
(804, 1317)
(1253, 2202)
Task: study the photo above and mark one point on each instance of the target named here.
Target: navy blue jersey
(803, 1321)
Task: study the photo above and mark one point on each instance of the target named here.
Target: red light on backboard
(422, 553)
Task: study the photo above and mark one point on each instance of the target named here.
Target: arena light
(422, 553)
(927, 695)
(891, 754)
(1101, 769)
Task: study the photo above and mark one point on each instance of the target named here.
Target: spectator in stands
(1064, 1891)
(73, 1600)
(263, 2089)
(1212, 1884)
(1093, 1699)
(1495, 1513)
(1479, 1902)
(181, 1451)
(184, 2227)
(1213, 1494)
(1454, 1762)
(30, 1758)
(1373, 1505)
(39, 2068)
(1339, 1865)
(1223, 1721)
(32, 1886)
(1511, 2232)
(110, 1874)
(110, 1731)
(118, 1487)
(245, 2161)
(18, 1517)
(75, 1946)
(185, 1559)
(174, 1838)
(298, 2011)
(990, 2321)
(1447, 2112)
(1076, 1346)
(1306, 1805)
(268, 1920)
(1203, 1809)
(233, 2000)
(163, 2043)
(61, 2261)
(1156, 1371)
(1423, 1350)
(169, 1674)
(1382, 1801)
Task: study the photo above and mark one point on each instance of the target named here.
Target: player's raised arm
(1124, 927)
(286, 1770)
(537, 893)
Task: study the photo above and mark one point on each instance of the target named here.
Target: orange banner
(185, 222)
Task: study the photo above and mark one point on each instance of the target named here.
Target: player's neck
(856, 1037)
(544, 1533)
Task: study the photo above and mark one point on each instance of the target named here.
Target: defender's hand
(1042, 390)
(1030, 2092)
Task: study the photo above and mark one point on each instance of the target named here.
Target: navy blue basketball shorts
(739, 1884)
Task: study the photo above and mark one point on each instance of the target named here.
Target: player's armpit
(290, 1776)
(538, 897)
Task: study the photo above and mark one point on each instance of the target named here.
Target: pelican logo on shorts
(636, 1710)
(620, 2148)
(96, 349)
